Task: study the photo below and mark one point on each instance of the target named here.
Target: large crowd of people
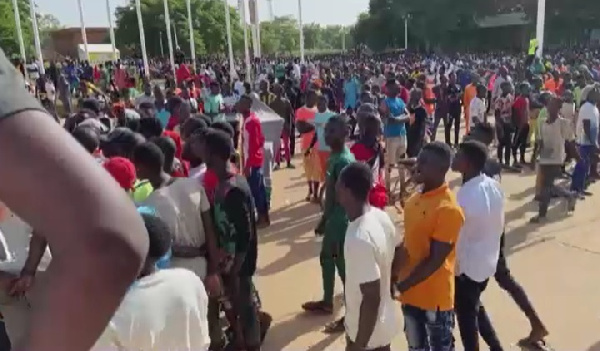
(189, 151)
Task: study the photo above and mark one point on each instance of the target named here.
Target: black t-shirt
(235, 221)
(415, 133)
(453, 93)
(13, 96)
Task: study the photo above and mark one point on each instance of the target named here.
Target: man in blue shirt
(351, 90)
(393, 113)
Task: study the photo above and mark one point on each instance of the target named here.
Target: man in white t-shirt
(369, 250)
(587, 139)
(184, 208)
(478, 245)
(164, 309)
(477, 108)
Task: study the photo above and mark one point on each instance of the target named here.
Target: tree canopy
(439, 23)
(8, 28)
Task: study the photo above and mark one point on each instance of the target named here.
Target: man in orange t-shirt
(470, 94)
(306, 116)
(423, 266)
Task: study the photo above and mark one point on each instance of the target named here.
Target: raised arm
(97, 238)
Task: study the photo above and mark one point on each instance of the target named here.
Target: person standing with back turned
(98, 239)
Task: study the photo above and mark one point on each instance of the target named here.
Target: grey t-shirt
(13, 97)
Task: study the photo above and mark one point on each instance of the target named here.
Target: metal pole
(142, 37)
(83, 35)
(232, 72)
(540, 24)
(242, 6)
(257, 29)
(343, 39)
(175, 35)
(405, 32)
(169, 40)
(112, 30)
(36, 36)
(301, 27)
(162, 50)
(192, 44)
(19, 31)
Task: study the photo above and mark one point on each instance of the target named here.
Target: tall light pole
(112, 30)
(19, 31)
(256, 14)
(301, 29)
(192, 44)
(142, 37)
(232, 72)
(407, 17)
(169, 40)
(36, 36)
(242, 6)
(541, 19)
(83, 34)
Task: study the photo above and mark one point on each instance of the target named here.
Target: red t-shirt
(253, 142)
(378, 195)
(520, 106)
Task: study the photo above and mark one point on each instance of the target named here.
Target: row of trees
(278, 36)
(444, 23)
(8, 32)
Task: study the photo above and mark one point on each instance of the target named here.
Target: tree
(280, 36)
(8, 29)
(47, 23)
(208, 18)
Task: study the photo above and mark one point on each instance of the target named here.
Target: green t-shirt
(141, 190)
(337, 220)
(279, 71)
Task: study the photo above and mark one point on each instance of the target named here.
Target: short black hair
(159, 235)
(168, 148)
(225, 127)
(247, 98)
(358, 178)
(194, 124)
(150, 127)
(218, 143)
(121, 142)
(338, 120)
(91, 104)
(475, 152)
(442, 151)
(149, 155)
(87, 137)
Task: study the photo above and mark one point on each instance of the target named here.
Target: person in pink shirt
(120, 77)
(253, 155)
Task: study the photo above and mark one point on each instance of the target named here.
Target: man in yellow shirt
(423, 265)
(470, 94)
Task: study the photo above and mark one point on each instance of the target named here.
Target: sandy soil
(555, 262)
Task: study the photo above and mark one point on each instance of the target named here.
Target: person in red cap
(123, 170)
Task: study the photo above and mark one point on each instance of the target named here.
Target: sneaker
(537, 220)
(291, 166)
(571, 202)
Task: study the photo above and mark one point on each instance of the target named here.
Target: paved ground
(556, 263)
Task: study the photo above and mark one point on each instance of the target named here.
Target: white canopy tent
(98, 53)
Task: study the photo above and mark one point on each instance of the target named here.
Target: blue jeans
(256, 181)
(428, 330)
(582, 169)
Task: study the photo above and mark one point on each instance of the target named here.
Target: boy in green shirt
(334, 222)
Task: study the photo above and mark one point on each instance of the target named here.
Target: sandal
(320, 307)
(335, 327)
(539, 345)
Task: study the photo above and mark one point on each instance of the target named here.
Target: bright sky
(318, 11)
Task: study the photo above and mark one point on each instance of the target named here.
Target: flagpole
(19, 31)
(112, 30)
(192, 44)
(169, 40)
(83, 34)
(162, 50)
(541, 19)
(301, 31)
(232, 72)
(142, 37)
(242, 5)
(36, 36)
(256, 15)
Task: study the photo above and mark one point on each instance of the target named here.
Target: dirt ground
(555, 263)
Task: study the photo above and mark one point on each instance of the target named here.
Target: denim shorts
(428, 330)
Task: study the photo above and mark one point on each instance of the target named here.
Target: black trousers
(505, 139)
(520, 143)
(293, 140)
(453, 118)
(471, 315)
(508, 283)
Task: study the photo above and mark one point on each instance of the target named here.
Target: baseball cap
(122, 170)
